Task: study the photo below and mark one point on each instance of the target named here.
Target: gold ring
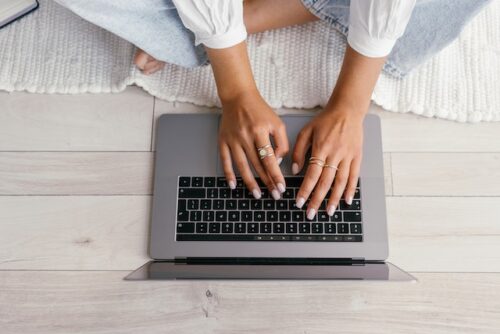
(330, 166)
(316, 158)
(263, 152)
(315, 162)
(262, 157)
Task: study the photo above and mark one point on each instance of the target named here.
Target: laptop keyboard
(208, 210)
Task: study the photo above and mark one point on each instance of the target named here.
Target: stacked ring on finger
(317, 161)
(331, 166)
(264, 152)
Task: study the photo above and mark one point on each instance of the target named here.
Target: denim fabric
(155, 26)
(433, 25)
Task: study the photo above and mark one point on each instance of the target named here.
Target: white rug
(54, 51)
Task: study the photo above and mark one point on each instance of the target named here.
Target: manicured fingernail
(295, 168)
(232, 184)
(281, 187)
(300, 202)
(280, 160)
(331, 210)
(276, 194)
(311, 213)
(349, 200)
(256, 193)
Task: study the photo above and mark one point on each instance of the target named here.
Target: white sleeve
(375, 25)
(216, 24)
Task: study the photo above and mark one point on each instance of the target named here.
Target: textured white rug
(54, 51)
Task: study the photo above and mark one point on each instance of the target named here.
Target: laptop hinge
(270, 261)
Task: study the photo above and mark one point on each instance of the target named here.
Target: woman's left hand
(336, 138)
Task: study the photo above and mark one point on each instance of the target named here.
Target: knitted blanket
(55, 51)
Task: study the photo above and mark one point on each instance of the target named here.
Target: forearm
(355, 83)
(232, 71)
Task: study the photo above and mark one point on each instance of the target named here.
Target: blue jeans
(155, 27)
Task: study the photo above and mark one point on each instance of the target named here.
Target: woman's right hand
(247, 124)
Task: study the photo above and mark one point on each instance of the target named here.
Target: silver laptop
(202, 229)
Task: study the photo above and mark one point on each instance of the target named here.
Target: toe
(153, 67)
(141, 59)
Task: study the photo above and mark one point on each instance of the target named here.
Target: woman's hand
(336, 138)
(247, 124)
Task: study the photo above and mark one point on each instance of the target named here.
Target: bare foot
(146, 63)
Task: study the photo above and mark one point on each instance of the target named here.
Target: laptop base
(172, 270)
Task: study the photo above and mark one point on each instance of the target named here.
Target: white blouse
(374, 25)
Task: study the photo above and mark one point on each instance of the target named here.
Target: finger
(322, 187)
(338, 186)
(227, 165)
(281, 142)
(352, 181)
(254, 159)
(302, 144)
(311, 177)
(271, 166)
(241, 161)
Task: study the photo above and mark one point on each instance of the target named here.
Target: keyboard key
(282, 204)
(293, 182)
(234, 216)
(197, 181)
(288, 193)
(269, 204)
(265, 227)
(221, 216)
(264, 193)
(246, 216)
(243, 204)
(357, 194)
(253, 228)
(259, 216)
(182, 216)
(279, 228)
(304, 227)
(221, 182)
(214, 227)
(355, 228)
(240, 228)
(205, 204)
(330, 228)
(218, 204)
(291, 227)
(191, 193)
(323, 216)
(356, 205)
(343, 228)
(237, 193)
(208, 216)
(317, 228)
(352, 216)
(209, 181)
(212, 193)
(239, 183)
(272, 216)
(256, 204)
(285, 216)
(292, 205)
(298, 216)
(224, 193)
(192, 204)
(201, 227)
(337, 217)
(231, 204)
(227, 228)
(184, 181)
(195, 216)
(182, 205)
(185, 227)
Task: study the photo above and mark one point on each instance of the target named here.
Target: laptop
(201, 229)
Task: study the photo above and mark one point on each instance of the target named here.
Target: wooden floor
(75, 196)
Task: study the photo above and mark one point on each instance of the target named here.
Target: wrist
(347, 109)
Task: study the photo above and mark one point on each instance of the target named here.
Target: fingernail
(232, 184)
(276, 194)
(280, 160)
(311, 213)
(331, 210)
(281, 187)
(256, 193)
(300, 202)
(295, 168)
(349, 200)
